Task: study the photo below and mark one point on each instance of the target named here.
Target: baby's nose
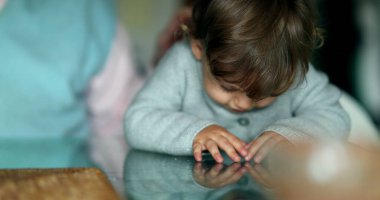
(244, 102)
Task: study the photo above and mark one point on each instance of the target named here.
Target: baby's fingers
(237, 144)
(255, 146)
(265, 149)
(230, 150)
(197, 152)
(263, 140)
(212, 147)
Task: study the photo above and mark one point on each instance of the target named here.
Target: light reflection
(327, 161)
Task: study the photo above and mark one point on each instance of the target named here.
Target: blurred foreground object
(57, 184)
(330, 171)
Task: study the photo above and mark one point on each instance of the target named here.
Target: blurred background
(144, 20)
(350, 55)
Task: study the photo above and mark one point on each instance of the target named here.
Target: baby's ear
(196, 48)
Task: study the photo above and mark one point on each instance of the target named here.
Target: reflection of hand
(261, 146)
(259, 174)
(219, 175)
(213, 138)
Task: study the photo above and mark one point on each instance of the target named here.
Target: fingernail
(198, 159)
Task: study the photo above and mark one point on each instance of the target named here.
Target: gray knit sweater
(173, 107)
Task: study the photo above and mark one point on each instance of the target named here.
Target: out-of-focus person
(66, 73)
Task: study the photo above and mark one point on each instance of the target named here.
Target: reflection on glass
(157, 176)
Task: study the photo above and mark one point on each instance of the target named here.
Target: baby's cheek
(265, 102)
(219, 98)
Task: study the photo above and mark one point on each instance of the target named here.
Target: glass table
(143, 175)
(138, 174)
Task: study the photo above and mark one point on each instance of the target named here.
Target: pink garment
(112, 90)
(109, 94)
(2, 4)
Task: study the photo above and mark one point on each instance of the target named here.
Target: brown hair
(262, 46)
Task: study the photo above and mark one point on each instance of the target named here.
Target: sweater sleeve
(154, 121)
(317, 112)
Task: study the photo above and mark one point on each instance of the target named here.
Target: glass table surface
(144, 175)
(138, 174)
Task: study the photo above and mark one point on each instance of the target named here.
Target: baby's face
(227, 95)
(230, 96)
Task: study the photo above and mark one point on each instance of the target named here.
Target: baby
(242, 84)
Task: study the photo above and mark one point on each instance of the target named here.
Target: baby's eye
(229, 89)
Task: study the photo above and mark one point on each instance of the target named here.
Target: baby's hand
(261, 146)
(215, 137)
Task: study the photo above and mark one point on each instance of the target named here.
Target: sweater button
(243, 121)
